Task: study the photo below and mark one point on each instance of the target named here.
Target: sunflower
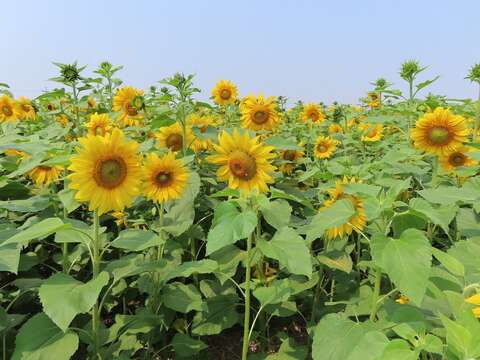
(106, 171)
(290, 157)
(474, 300)
(120, 218)
(324, 147)
(99, 124)
(456, 159)
(22, 155)
(357, 221)
(440, 132)
(244, 162)
(402, 300)
(91, 103)
(62, 119)
(259, 113)
(171, 137)
(9, 109)
(334, 129)
(26, 108)
(202, 123)
(373, 133)
(374, 100)
(165, 177)
(224, 92)
(123, 102)
(45, 175)
(312, 112)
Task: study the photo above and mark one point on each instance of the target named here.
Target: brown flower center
(260, 117)
(321, 148)
(26, 107)
(314, 115)
(163, 178)
(110, 173)
(131, 111)
(457, 159)
(289, 155)
(225, 94)
(242, 165)
(7, 110)
(439, 135)
(174, 142)
(51, 107)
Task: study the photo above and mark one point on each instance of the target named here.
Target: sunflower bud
(409, 70)
(474, 73)
(70, 73)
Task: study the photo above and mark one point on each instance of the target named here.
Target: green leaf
(447, 195)
(185, 346)
(137, 240)
(441, 216)
(288, 351)
(468, 222)
(277, 213)
(186, 269)
(337, 214)
(337, 260)
(398, 349)
(450, 263)
(63, 297)
(182, 298)
(290, 250)
(38, 230)
(465, 251)
(10, 253)
(40, 339)
(229, 226)
(218, 313)
(34, 204)
(67, 197)
(407, 261)
(458, 337)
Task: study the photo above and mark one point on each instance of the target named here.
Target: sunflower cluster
(12, 110)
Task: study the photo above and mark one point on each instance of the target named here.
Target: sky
(309, 50)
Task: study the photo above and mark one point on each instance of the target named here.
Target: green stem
(435, 172)
(246, 321)
(316, 295)
(376, 294)
(95, 271)
(477, 122)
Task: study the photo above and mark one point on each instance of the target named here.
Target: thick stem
(246, 321)
(435, 172)
(95, 271)
(376, 294)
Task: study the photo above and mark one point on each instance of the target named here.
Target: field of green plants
(146, 224)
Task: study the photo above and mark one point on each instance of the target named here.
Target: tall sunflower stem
(95, 271)
(477, 120)
(435, 171)
(246, 320)
(376, 294)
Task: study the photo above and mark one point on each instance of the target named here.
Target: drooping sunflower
(291, 156)
(357, 221)
(165, 177)
(334, 128)
(312, 112)
(224, 92)
(45, 174)
(106, 171)
(324, 147)
(440, 132)
(123, 102)
(171, 137)
(456, 159)
(372, 133)
(9, 109)
(202, 123)
(244, 162)
(259, 113)
(99, 124)
(26, 108)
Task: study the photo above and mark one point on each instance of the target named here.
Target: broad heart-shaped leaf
(9, 254)
(447, 195)
(136, 240)
(63, 297)
(218, 313)
(290, 250)
(338, 338)
(34, 204)
(276, 213)
(67, 197)
(407, 261)
(441, 216)
(451, 264)
(182, 298)
(185, 346)
(337, 214)
(38, 230)
(229, 226)
(40, 339)
(188, 268)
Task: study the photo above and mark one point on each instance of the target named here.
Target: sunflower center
(457, 159)
(7, 110)
(225, 94)
(438, 135)
(321, 148)
(260, 117)
(26, 107)
(131, 111)
(289, 155)
(174, 142)
(163, 178)
(314, 116)
(110, 173)
(242, 165)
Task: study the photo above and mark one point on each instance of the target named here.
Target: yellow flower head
(91, 102)
(9, 109)
(244, 162)
(325, 147)
(373, 133)
(202, 123)
(26, 108)
(99, 124)
(357, 221)
(165, 177)
(291, 156)
(171, 137)
(334, 129)
(312, 112)
(456, 159)
(22, 155)
(402, 300)
(374, 100)
(106, 171)
(62, 119)
(224, 93)
(259, 113)
(440, 132)
(474, 300)
(45, 175)
(123, 103)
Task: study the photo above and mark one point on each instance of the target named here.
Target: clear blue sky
(310, 50)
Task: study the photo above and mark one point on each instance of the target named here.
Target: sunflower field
(146, 224)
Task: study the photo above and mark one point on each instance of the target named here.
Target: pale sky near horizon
(309, 50)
